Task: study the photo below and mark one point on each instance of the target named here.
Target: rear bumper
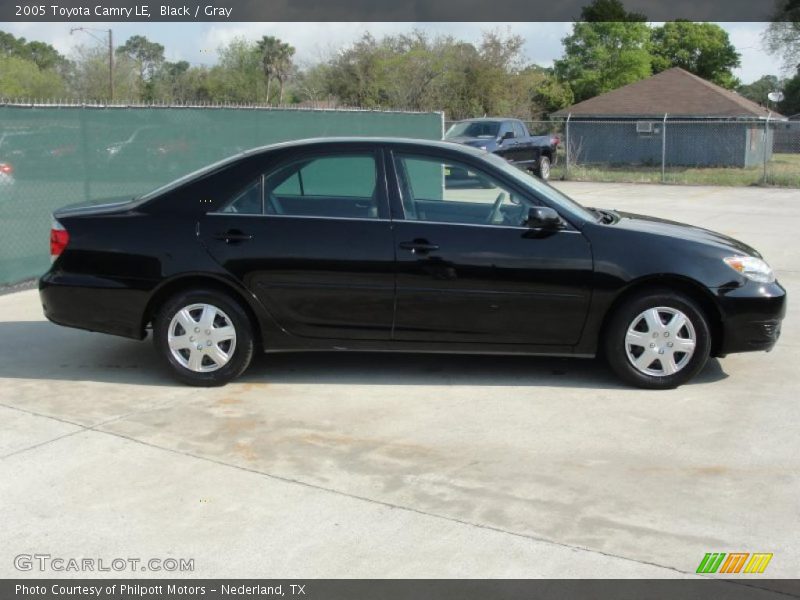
(93, 303)
(751, 317)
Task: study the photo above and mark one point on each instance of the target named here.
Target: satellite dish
(775, 96)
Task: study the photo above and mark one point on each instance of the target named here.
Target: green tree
(269, 48)
(757, 91)
(601, 55)
(31, 68)
(276, 63)
(791, 91)
(148, 57)
(283, 67)
(782, 37)
(44, 55)
(605, 11)
(700, 48)
(547, 93)
(88, 78)
(20, 78)
(172, 83)
(237, 75)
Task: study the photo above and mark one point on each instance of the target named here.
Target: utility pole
(110, 33)
(111, 65)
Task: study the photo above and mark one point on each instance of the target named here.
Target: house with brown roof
(692, 121)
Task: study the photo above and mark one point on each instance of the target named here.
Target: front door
(470, 271)
(312, 240)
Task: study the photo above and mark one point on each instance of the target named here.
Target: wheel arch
(691, 288)
(188, 281)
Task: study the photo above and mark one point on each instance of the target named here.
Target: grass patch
(782, 171)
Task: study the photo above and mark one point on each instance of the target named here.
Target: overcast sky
(198, 42)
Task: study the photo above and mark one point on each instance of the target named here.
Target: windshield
(540, 187)
(188, 177)
(475, 129)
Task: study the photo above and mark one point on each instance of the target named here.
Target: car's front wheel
(204, 337)
(657, 340)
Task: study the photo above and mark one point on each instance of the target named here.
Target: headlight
(751, 267)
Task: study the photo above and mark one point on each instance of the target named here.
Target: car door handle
(232, 236)
(419, 247)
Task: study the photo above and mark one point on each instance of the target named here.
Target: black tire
(231, 314)
(615, 348)
(542, 169)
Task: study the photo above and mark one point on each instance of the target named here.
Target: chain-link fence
(665, 150)
(53, 155)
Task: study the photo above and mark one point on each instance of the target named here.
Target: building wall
(688, 143)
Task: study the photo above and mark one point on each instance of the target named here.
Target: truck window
(506, 126)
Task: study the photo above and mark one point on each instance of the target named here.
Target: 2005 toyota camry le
(401, 245)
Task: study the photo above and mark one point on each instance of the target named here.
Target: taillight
(59, 238)
(6, 168)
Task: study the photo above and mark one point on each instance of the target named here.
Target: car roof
(490, 119)
(364, 140)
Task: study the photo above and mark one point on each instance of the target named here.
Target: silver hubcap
(202, 338)
(660, 341)
(545, 169)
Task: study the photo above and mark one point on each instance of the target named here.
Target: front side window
(343, 186)
(451, 192)
(506, 128)
(518, 130)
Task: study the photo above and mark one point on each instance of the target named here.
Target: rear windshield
(475, 129)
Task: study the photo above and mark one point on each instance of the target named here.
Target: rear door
(312, 240)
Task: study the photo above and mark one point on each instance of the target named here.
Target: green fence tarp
(62, 155)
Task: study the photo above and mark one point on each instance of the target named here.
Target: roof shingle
(675, 92)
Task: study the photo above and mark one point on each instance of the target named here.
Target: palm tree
(282, 68)
(268, 46)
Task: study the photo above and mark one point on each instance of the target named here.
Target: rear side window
(247, 201)
(330, 186)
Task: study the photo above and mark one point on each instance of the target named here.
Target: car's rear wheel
(543, 168)
(658, 339)
(204, 337)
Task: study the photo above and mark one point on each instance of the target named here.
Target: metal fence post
(664, 149)
(87, 192)
(766, 136)
(566, 147)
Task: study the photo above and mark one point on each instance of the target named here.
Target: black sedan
(359, 244)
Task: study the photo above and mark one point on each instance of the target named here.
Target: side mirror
(543, 217)
(507, 136)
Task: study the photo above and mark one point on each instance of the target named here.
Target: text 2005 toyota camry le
(404, 245)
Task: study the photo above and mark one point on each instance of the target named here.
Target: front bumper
(751, 317)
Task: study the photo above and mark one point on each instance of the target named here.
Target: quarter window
(453, 192)
(246, 202)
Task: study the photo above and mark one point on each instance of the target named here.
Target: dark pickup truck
(510, 139)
